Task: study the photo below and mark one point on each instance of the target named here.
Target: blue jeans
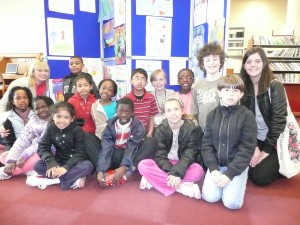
(232, 194)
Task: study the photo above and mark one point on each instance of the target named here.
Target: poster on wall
(120, 13)
(216, 31)
(154, 8)
(175, 66)
(60, 37)
(109, 70)
(56, 89)
(87, 6)
(158, 36)
(61, 6)
(94, 67)
(200, 8)
(106, 10)
(120, 45)
(198, 42)
(108, 33)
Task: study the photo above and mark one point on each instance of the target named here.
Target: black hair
(88, 77)
(113, 83)
(126, 101)
(141, 71)
(63, 105)
(77, 57)
(186, 69)
(11, 95)
(46, 99)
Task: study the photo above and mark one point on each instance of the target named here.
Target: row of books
(288, 77)
(286, 66)
(285, 52)
(282, 40)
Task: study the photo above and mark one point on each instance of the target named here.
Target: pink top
(187, 101)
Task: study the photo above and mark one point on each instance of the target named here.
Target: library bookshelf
(283, 53)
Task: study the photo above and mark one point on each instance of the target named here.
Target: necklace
(160, 100)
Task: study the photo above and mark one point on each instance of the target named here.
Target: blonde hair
(155, 72)
(169, 99)
(37, 65)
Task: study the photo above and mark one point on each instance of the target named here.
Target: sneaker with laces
(189, 189)
(3, 175)
(79, 183)
(40, 182)
(145, 184)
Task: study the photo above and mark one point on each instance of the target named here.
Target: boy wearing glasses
(120, 141)
(185, 80)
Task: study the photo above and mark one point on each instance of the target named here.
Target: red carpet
(126, 204)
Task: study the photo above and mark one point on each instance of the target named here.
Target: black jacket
(69, 144)
(273, 109)
(229, 139)
(188, 142)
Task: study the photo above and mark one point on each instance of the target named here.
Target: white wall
(22, 26)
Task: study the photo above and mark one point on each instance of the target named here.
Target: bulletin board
(86, 33)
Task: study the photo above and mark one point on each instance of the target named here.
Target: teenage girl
(82, 101)
(104, 108)
(158, 79)
(23, 154)
(68, 166)
(13, 121)
(173, 168)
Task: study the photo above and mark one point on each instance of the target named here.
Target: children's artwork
(149, 66)
(154, 7)
(109, 70)
(94, 67)
(120, 45)
(120, 13)
(60, 37)
(158, 36)
(120, 72)
(106, 10)
(87, 5)
(200, 7)
(56, 89)
(108, 33)
(216, 31)
(61, 6)
(122, 89)
(198, 42)
(215, 10)
(175, 66)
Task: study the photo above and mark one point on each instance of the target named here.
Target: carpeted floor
(277, 204)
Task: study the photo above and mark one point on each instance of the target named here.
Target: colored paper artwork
(120, 45)
(108, 33)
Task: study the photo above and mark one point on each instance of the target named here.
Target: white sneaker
(40, 182)
(79, 183)
(145, 184)
(189, 189)
(3, 175)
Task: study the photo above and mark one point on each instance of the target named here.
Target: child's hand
(149, 135)
(173, 181)
(215, 176)
(9, 168)
(254, 159)
(3, 132)
(58, 171)
(20, 162)
(101, 179)
(119, 173)
(224, 180)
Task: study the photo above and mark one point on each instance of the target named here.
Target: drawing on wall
(120, 45)
(120, 13)
(106, 10)
(198, 42)
(60, 37)
(61, 6)
(109, 70)
(108, 33)
(216, 31)
(154, 7)
(200, 7)
(56, 89)
(158, 36)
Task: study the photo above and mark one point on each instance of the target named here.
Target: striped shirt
(144, 108)
(122, 134)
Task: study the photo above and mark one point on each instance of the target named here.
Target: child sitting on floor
(68, 166)
(23, 154)
(173, 167)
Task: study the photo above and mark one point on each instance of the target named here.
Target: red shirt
(83, 110)
(144, 108)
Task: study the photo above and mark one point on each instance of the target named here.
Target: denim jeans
(232, 194)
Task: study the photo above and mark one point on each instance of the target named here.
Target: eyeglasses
(143, 79)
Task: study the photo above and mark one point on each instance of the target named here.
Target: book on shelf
(288, 77)
(276, 40)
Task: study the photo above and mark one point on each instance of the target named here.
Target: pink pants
(28, 165)
(158, 178)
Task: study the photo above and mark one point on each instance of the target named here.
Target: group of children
(155, 134)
